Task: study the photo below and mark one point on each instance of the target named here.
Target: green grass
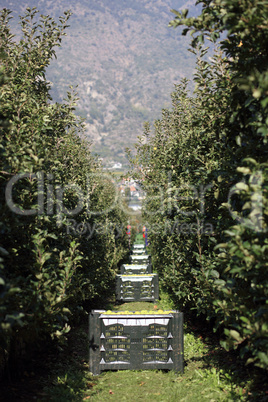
(159, 386)
(210, 374)
(135, 306)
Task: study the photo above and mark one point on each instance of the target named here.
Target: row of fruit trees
(62, 233)
(203, 166)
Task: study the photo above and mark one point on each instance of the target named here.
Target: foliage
(60, 223)
(204, 169)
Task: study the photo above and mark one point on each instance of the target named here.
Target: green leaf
(234, 334)
(242, 186)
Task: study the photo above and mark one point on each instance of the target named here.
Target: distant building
(117, 165)
(132, 190)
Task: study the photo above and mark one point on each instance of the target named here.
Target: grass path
(210, 374)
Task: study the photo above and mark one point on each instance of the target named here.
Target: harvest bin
(137, 269)
(140, 259)
(135, 341)
(137, 287)
(141, 241)
(138, 247)
(138, 251)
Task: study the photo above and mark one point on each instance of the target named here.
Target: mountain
(124, 59)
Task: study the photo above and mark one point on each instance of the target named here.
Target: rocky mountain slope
(124, 59)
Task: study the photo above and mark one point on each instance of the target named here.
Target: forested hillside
(124, 59)
(204, 169)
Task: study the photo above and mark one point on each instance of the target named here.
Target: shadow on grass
(58, 373)
(228, 364)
